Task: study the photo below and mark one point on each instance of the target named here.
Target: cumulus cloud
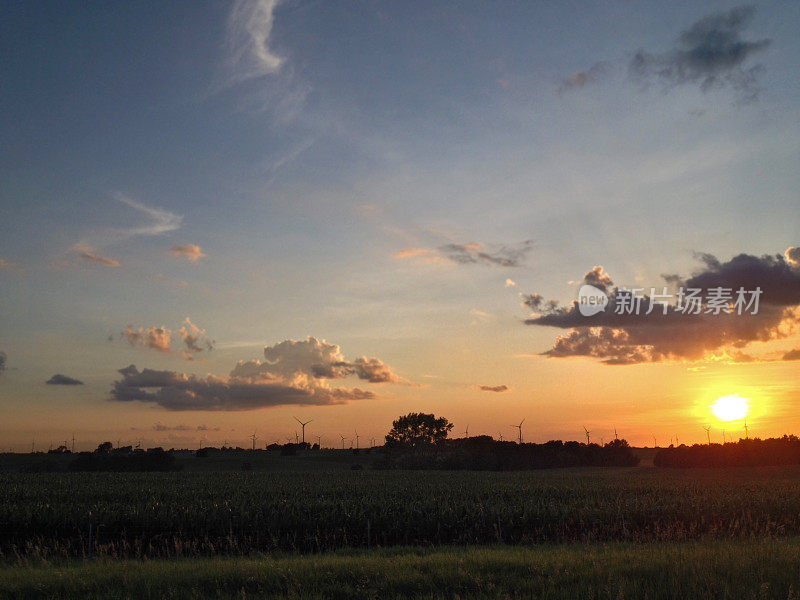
(59, 379)
(792, 254)
(157, 338)
(711, 54)
(667, 334)
(292, 373)
(89, 254)
(472, 253)
(249, 30)
(194, 339)
(493, 388)
(598, 278)
(190, 252)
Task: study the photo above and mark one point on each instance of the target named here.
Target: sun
(730, 408)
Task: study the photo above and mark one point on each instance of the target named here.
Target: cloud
(249, 30)
(3, 360)
(90, 254)
(493, 388)
(598, 278)
(161, 221)
(194, 339)
(635, 338)
(157, 338)
(711, 54)
(59, 379)
(292, 373)
(792, 254)
(511, 283)
(190, 252)
(792, 355)
(472, 253)
(580, 79)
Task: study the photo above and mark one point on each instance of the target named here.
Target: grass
(712, 569)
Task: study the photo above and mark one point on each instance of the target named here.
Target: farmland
(56, 516)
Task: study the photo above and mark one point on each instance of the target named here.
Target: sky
(218, 217)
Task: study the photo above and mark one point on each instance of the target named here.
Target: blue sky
(303, 145)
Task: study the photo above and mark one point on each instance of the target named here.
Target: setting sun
(730, 408)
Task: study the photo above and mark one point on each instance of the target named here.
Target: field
(661, 571)
(597, 532)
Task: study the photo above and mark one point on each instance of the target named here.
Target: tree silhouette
(418, 429)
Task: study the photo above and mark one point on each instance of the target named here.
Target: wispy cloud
(190, 252)
(88, 253)
(249, 29)
(160, 221)
(493, 388)
(511, 255)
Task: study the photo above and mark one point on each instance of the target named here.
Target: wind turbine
(520, 429)
(73, 442)
(587, 432)
(343, 439)
(466, 431)
(319, 441)
(746, 435)
(655, 443)
(356, 439)
(303, 425)
(254, 437)
(708, 435)
(616, 437)
(723, 437)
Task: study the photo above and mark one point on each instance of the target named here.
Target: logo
(591, 300)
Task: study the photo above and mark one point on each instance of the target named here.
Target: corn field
(153, 515)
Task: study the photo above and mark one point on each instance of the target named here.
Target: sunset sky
(219, 216)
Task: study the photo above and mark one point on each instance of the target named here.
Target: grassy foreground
(716, 569)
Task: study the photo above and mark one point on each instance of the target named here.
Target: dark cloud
(194, 339)
(581, 79)
(792, 355)
(59, 379)
(493, 388)
(711, 54)
(634, 338)
(293, 372)
(792, 254)
(598, 278)
(511, 255)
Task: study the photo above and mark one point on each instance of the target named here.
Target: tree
(418, 429)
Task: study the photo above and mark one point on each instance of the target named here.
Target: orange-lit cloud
(472, 253)
(88, 253)
(157, 338)
(190, 252)
(293, 372)
(622, 338)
